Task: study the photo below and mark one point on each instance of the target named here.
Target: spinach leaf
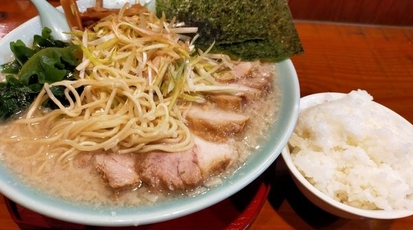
(12, 67)
(47, 61)
(23, 53)
(49, 65)
(46, 40)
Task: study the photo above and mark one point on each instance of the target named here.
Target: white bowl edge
(322, 200)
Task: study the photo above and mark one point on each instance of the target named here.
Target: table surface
(338, 58)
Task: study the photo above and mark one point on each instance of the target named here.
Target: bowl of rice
(352, 157)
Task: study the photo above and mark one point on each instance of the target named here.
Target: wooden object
(379, 12)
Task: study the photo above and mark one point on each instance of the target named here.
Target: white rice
(355, 151)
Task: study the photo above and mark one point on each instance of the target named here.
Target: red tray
(236, 212)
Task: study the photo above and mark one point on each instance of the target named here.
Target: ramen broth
(81, 183)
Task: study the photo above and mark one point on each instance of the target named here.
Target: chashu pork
(256, 75)
(169, 171)
(214, 124)
(227, 102)
(186, 170)
(166, 171)
(253, 78)
(214, 158)
(118, 170)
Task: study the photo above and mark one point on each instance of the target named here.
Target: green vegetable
(22, 53)
(13, 97)
(48, 65)
(246, 29)
(47, 61)
(46, 40)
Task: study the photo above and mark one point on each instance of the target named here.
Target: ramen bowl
(314, 194)
(19, 192)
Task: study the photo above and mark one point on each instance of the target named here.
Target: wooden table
(338, 57)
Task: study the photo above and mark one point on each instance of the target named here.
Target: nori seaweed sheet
(245, 29)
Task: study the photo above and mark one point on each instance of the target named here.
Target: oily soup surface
(33, 165)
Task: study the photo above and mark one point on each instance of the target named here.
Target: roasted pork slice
(185, 170)
(214, 124)
(84, 159)
(227, 102)
(256, 75)
(214, 158)
(118, 170)
(169, 171)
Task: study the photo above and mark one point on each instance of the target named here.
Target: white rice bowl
(352, 157)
